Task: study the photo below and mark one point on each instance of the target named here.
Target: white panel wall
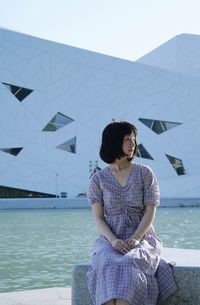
(91, 89)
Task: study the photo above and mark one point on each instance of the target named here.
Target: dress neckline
(115, 179)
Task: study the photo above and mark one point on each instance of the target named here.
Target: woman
(126, 266)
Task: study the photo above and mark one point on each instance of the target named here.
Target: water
(38, 248)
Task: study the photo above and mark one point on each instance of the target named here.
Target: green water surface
(38, 248)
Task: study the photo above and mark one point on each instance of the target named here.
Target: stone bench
(187, 279)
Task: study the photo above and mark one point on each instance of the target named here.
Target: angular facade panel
(74, 94)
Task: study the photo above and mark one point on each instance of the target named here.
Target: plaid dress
(140, 276)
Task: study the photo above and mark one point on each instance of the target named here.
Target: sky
(122, 28)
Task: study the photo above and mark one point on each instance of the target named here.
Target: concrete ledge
(188, 283)
(187, 279)
(79, 202)
(43, 203)
(46, 296)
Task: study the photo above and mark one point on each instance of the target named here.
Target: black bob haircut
(112, 140)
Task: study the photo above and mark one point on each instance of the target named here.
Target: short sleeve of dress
(151, 187)
(94, 193)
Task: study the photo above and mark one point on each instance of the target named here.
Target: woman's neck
(121, 164)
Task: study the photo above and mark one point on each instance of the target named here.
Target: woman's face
(128, 145)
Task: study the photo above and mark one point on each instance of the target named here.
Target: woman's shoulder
(143, 168)
(100, 174)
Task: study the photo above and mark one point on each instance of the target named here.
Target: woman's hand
(132, 242)
(120, 245)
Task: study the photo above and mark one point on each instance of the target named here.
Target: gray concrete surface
(48, 296)
(187, 280)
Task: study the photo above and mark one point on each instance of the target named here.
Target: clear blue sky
(122, 28)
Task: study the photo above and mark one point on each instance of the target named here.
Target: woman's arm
(146, 221)
(103, 229)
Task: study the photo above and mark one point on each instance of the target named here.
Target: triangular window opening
(177, 165)
(58, 121)
(159, 126)
(69, 146)
(12, 151)
(19, 92)
(143, 153)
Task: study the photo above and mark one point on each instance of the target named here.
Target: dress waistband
(128, 211)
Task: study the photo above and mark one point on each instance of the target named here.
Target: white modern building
(56, 99)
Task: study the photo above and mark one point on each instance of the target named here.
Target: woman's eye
(128, 139)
